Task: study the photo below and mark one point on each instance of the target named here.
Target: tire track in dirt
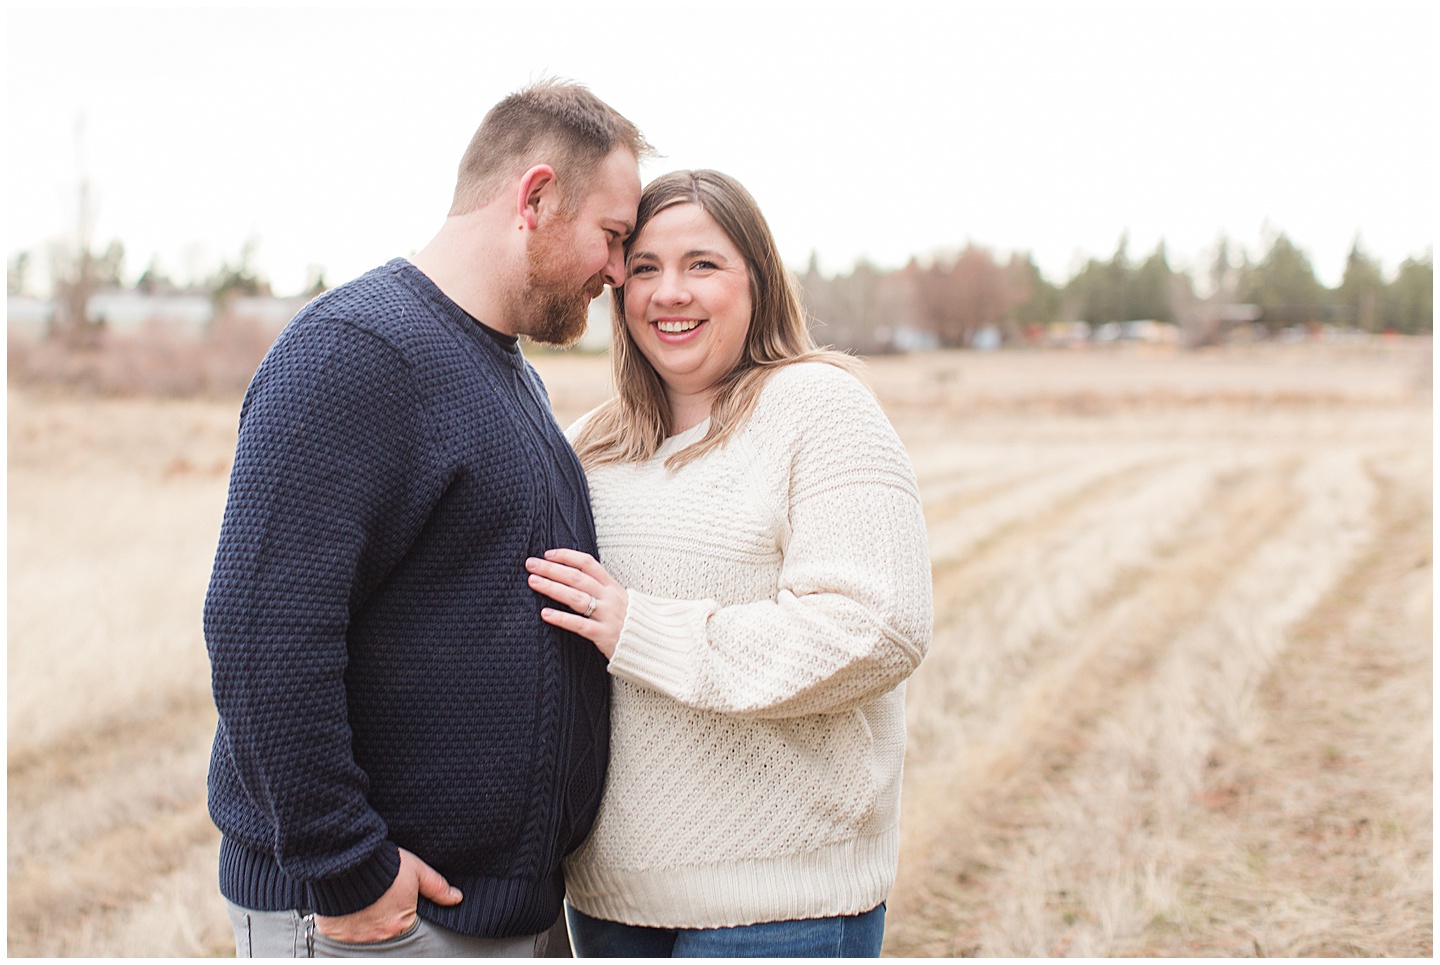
(1017, 513)
(992, 784)
(1316, 829)
(1013, 604)
(1117, 642)
(977, 488)
(949, 483)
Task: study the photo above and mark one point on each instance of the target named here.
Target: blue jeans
(852, 936)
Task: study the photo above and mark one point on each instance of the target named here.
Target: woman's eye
(641, 269)
(705, 265)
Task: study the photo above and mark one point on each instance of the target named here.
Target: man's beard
(553, 311)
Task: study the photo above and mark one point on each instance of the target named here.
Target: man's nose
(614, 270)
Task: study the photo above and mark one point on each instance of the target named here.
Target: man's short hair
(554, 122)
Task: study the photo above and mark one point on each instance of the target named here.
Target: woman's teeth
(674, 328)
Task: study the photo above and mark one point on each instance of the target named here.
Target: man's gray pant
(289, 934)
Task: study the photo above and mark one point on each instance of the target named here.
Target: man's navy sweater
(382, 674)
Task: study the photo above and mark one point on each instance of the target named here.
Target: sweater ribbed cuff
(358, 888)
(657, 639)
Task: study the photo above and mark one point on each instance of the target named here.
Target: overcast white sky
(880, 130)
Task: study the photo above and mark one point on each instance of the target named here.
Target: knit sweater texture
(779, 596)
(382, 674)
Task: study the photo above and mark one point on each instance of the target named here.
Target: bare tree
(77, 271)
(17, 273)
(964, 296)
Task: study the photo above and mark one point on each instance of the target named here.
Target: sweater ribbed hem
(491, 908)
(499, 907)
(254, 880)
(847, 878)
(657, 638)
(358, 888)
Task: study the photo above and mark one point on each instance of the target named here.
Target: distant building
(1068, 334)
(192, 318)
(1147, 331)
(130, 313)
(187, 317)
(267, 315)
(986, 338)
(28, 318)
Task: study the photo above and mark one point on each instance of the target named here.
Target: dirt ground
(1179, 700)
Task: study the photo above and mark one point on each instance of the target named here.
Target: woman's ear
(534, 185)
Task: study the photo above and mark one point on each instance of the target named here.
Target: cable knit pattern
(382, 674)
(779, 597)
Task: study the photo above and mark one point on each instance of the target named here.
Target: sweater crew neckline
(509, 344)
(686, 436)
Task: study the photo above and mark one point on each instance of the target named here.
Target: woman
(765, 593)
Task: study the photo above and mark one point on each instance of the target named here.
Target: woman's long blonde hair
(632, 426)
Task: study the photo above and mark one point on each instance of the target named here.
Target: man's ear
(534, 185)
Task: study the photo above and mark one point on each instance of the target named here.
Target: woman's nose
(672, 289)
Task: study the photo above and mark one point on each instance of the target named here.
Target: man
(405, 750)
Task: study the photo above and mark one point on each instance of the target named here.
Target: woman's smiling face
(687, 303)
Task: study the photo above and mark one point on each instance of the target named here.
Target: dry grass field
(1178, 704)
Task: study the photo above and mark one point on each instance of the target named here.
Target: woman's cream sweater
(779, 597)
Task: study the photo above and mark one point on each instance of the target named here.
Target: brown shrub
(152, 361)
